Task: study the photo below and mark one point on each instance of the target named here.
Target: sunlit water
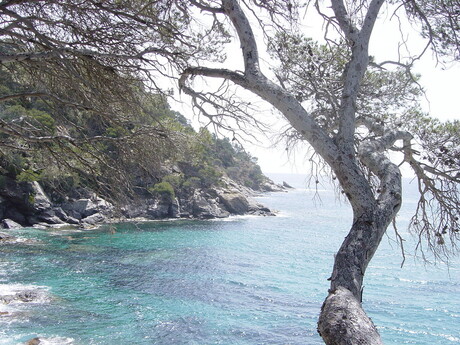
(241, 281)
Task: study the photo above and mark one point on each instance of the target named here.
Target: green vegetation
(124, 156)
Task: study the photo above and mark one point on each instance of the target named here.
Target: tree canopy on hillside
(95, 56)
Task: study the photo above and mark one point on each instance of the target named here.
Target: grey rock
(174, 209)
(28, 296)
(286, 185)
(40, 199)
(94, 219)
(159, 209)
(10, 224)
(59, 212)
(13, 214)
(83, 208)
(134, 210)
(207, 208)
(235, 203)
(24, 296)
(2, 207)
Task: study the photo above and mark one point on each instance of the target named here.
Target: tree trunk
(342, 319)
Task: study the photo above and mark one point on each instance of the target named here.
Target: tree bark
(343, 321)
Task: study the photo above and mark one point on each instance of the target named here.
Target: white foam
(13, 289)
(56, 341)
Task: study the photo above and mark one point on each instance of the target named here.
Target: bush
(164, 190)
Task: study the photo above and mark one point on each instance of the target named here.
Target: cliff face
(28, 204)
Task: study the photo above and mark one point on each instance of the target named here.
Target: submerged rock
(4, 237)
(33, 341)
(24, 294)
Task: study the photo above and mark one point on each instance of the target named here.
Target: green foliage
(175, 180)
(116, 132)
(116, 165)
(28, 175)
(209, 176)
(163, 190)
(191, 184)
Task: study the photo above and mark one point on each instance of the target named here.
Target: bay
(243, 280)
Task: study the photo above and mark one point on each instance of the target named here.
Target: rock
(28, 296)
(3, 206)
(134, 210)
(16, 216)
(10, 224)
(83, 208)
(159, 209)
(174, 210)
(206, 207)
(48, 216)
(3, 313)
(40, 201)
(25, 296)
(4, 237)
(286, 185)
(94, 219)
(59, 212)
(235, 203)
(14, 192)
(33, 341)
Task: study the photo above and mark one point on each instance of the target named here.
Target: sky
(439, 82)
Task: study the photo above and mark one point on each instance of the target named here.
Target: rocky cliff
(28, 204)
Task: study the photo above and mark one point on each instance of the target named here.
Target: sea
(239, 281)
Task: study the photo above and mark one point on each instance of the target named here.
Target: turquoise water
(242, 281)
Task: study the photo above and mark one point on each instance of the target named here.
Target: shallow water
(245, 281)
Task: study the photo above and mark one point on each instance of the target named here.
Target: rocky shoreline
(18, 209)
(27, 205)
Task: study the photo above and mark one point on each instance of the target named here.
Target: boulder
(40, 200)
(83, 208)
(235, 203)
(48, 216)
(206, 207)
(3, 206)
(28, 296)
(159, 209)
(95, 219)
(286, 185)
(24, 296)
(10, 224)
(33, 341)
(59, 212)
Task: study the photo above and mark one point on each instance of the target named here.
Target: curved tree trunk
(342, 319)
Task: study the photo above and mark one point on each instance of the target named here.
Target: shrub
(163, 189)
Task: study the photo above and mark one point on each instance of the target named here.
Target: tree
(95, 55)
(353, 112)
(91, 68)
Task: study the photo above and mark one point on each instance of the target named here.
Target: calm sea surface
(241, 281)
